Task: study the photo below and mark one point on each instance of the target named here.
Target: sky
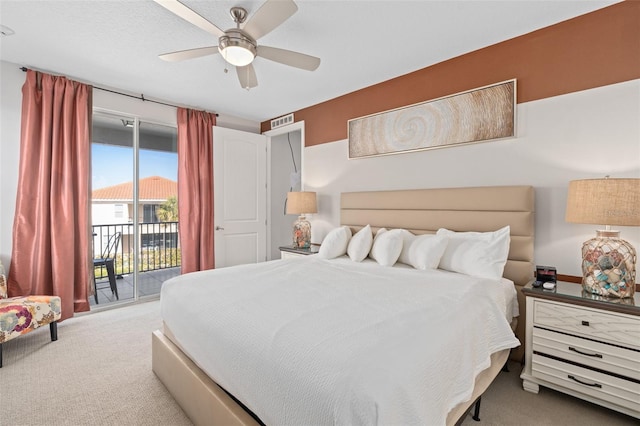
(113, 165)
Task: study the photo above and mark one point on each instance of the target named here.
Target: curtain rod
(141, 97)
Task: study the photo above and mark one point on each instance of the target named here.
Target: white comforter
(308, 341)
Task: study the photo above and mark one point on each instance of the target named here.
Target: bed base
(203, 401)
(206, 403)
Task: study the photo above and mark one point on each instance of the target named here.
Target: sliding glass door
(134, 208)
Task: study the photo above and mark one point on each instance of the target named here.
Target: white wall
(11, 81)
(588, 134)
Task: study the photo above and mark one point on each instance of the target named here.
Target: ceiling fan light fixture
(238, 56)
(236, 48)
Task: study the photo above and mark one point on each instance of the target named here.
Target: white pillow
(378, 233)
(481, 254)
(425, 251)
(335, 243)
(407, 239)
(360, 244)
(387, 247)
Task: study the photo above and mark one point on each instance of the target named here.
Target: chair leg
(0, 355)
(95, 289)
(110, 264)
(53, 328)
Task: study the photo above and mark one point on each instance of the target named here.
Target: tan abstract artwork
(477, 115)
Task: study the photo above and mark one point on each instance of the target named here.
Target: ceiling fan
(238, 45)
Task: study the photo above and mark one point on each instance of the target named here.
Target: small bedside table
(287, 252)
(583, 345)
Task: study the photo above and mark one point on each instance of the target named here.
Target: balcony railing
(158, 246)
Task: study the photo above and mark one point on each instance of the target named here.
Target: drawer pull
(585, 323)
(594, 385)
(584, 353)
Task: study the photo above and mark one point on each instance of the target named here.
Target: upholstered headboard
(459, 209)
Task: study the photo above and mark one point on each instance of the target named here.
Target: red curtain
(195, 189)
(51, 230)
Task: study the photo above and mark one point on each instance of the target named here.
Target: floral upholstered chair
(20, 315)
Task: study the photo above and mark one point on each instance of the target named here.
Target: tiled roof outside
(150, 188)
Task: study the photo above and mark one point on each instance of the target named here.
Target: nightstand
(583, 345)
(287, 252)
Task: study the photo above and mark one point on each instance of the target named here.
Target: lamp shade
(604, 202)
(301, 202)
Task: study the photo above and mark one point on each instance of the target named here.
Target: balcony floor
(149, 284)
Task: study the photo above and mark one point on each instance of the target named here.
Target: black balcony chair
(108, 260)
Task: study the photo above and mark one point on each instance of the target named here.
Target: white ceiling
(115, 43)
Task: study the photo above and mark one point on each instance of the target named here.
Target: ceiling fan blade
(270, 15)
(190, 16)
(182, 55)
(289, 57)
(247, 76)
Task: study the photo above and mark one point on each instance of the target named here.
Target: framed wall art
(477, 115)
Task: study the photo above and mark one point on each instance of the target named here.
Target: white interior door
(239, 176)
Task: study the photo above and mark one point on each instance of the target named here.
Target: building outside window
(118, 211)
(149, 213)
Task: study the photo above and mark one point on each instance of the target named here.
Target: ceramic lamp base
(302, 233)
(608, 265)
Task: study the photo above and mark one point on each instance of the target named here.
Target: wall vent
(282, 121)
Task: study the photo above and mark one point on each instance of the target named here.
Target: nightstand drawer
(289, 255)
(614, 359)
(608, 327)
(608, 388)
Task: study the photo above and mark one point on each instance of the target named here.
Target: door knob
(219, 228)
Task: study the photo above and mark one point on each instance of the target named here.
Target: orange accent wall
(591, 50)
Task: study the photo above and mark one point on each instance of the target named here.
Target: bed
(185, 359)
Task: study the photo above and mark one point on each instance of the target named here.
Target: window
(149, 213)
(118, 211)
(134, 170)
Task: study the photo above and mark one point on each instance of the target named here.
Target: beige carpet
(99, 373)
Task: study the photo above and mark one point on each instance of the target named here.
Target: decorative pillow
(335, 243)
(387, 247)
(378, 233)
(481, 254)
(407, 239)
(360, 244)
(425, 251)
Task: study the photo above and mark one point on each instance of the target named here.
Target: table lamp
(301, 203)
(608, 262)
